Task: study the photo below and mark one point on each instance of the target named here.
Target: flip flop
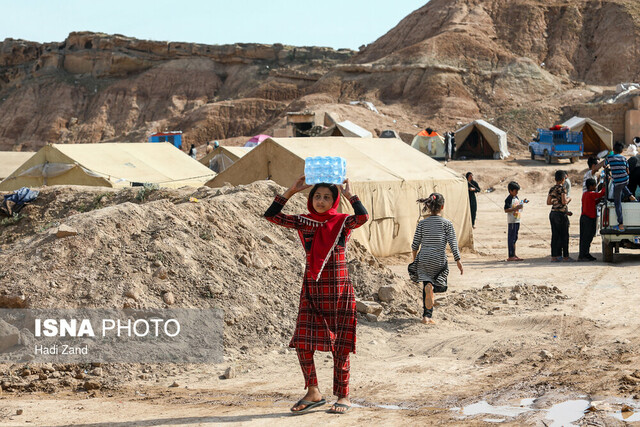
(310, 406)
(339, 405)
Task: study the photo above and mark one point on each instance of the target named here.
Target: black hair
(590, 182)
(433, 203)
(468, 174)
(592, 161)
(332, 187)
(636, 139)
(560, 175)
(513, 186)
(618, 147)
(429, 130)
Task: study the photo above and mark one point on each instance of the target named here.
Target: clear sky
(332, 23)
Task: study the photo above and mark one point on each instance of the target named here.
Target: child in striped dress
(431, 237)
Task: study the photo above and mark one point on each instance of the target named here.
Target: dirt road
(505, 332)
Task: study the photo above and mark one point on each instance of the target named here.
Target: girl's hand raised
(296, 187)
(346, 188)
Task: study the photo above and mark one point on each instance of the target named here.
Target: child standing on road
(431, 237)
(513, 207)
(327, 312)
(588, 219)
(559, 219)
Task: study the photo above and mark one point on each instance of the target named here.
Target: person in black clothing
(473, 203)
(634, 175)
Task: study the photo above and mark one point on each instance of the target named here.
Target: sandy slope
(492, 326)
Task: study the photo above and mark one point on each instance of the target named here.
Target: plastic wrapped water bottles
(332, 170)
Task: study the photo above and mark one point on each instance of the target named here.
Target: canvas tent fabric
(430, 144)
(595, 137)
(223, 157)
(387, 175)
(108, 165)
(346, 129)
(11, 160)
(481, 140)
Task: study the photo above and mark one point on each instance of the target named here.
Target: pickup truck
(557, 144)
(613, 240)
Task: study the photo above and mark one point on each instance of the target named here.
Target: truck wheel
(547, 157)
(573, 159)
(533, 155)
(607, 251)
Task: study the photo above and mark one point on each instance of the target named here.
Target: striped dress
(432, 235)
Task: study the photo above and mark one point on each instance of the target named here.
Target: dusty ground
(492, 326)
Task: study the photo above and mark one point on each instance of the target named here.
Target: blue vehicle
(174, 138)
(558, 144)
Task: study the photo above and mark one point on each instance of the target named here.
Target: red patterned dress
(327, 314)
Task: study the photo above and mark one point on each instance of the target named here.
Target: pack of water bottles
(332, 170)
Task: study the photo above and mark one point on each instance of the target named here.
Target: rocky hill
(518, 63)
(515, 61)
(98, 87)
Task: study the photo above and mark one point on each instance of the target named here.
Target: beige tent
(481, 140)
(387, 174)
(11, 160)
(223, 157)
(347, 129)
(431, 145)
(108, 165)
(595, 137)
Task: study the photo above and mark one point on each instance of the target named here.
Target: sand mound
(134, 246)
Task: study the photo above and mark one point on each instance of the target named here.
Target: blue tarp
(20, 198)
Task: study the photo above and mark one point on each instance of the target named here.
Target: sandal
(310, 406)
(333, 408)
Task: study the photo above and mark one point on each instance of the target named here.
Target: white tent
(387, 175)
(432, 145)
(12, 160)
(347, 129)
(108, 165)
(595, 137)
(480, 139)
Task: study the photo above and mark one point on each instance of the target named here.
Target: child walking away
(559, 219)
(588, 219)
(431, 237)
(327, 312)
(620, 174)
(513, 207)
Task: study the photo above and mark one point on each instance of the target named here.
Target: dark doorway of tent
(474, 146)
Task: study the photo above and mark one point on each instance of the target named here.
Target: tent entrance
(220, 162)
(475, 146)
(593, 144)
(302, 129)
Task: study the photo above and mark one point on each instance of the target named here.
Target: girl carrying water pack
(327, 312)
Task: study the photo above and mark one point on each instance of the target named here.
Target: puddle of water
(527, 403)
(395, 407)
(629, 416)
(565, 413)
(483, 407)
